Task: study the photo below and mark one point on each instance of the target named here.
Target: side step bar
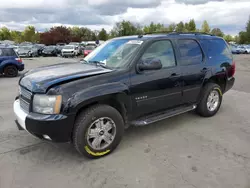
(162, 115)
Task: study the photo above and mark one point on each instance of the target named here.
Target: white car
(70, 50)
(247, 49)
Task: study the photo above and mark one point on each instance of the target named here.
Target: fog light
(46, 137)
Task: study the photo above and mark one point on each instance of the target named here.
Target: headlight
(47, 104)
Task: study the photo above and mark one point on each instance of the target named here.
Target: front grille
(25, 99)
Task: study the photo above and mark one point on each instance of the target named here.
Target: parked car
(61, 44)
(70, 51)
(246, 49)
(10, 63)
(39, 48)
(88, 49)
(128, 81)
(74, 43)
(241, 49)
(59, 49)
(27, 51)
(50, 51)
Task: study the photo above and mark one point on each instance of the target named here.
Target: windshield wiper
(98, 63)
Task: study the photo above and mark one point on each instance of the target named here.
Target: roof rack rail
(157, 32)
(186, 33)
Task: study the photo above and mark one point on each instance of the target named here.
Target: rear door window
(216, 48)
(7, 52)
(190, 52)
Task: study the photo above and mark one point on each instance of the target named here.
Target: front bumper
(229, 84)
(57, 128)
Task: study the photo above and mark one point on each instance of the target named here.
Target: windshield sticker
(135, 42)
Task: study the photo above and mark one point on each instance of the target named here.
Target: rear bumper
(56, 128)
(21, 67)
(229, 84)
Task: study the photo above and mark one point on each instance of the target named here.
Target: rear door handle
(174, 74)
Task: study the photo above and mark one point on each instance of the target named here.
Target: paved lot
(183, 152)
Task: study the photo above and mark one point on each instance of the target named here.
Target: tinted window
(7, 52)
(190, 52)
(162, 50)
(216, 48)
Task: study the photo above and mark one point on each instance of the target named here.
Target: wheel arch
(115, 100)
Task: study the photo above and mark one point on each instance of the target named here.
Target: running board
(162, 115)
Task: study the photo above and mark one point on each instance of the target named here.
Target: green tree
(171, 27)
(236, 39)
(102, 35)
(192, 25)
(228, 38)
(5, 33)
(29, 34)
(152, 27)
(124, 28)
(16, 36)
(180, 27)
(217, 32)
(243, 37)
(186, 27)
(205, 27)
(248, 30)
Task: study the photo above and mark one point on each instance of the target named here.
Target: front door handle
(204, 70)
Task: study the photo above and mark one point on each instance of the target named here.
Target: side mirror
(150, 64)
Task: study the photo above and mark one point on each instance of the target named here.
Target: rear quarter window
(216, 48)
(7, 52)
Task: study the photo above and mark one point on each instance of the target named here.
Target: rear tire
(92, 136)
(10, 71)
(211, 98)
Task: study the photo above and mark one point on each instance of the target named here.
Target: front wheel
(98, 131)
(211, 98)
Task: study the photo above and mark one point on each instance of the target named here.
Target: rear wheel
(10, 71)
(98, 131)
(211, 99)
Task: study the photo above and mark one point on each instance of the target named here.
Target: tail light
(233, 68)
(19, 60)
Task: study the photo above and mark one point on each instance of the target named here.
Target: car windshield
(114, 54)
(49, 47)
(68, 47)
(25, 48)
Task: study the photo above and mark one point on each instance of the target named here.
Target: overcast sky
(229, 15)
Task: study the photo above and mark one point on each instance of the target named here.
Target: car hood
(40, 79)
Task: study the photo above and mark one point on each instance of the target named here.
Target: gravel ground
(185, 151)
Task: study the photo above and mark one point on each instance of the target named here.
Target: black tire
(10, 71)
(202, 108)
(84, 121)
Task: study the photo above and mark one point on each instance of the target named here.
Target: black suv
(135, 80)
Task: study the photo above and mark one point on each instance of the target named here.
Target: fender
(116, 90)
(7, 62)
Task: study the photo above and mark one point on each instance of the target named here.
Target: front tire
(98, 131)
(211, 98)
